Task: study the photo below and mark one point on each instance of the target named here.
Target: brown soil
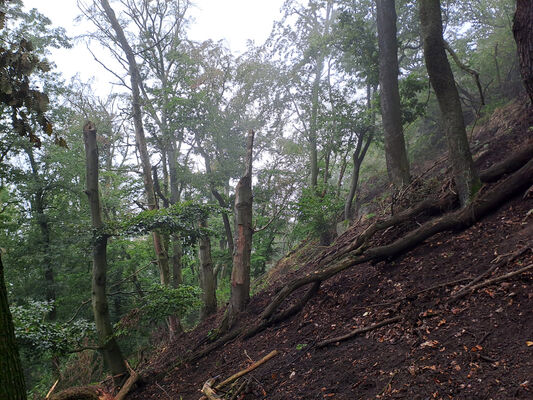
(476, 348)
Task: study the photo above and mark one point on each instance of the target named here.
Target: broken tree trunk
(240, 274)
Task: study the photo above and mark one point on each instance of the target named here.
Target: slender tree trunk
(108, 344)
(358, 157)
(135, 77)
(523, 34)
(441, 78)
(207, 276)
(395, 153)
(12, 385)
(313, 124)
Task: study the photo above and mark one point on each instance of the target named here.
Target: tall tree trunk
(395, 153)
(207, 276)
(135, 78)
(523, 34)
(441, 78)
(107, 342)
(12, 384)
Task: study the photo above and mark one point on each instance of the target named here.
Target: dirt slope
(475, 348)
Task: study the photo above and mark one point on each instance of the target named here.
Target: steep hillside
(430, 344)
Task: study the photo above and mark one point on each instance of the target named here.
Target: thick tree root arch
(356, 253)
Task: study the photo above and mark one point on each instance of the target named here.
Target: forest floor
(478, 347)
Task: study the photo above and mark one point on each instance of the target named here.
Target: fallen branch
(256, 364)
(129, 383)
(359, 331)
(513, 256)
(211, 394)
(51, 390)
(482, 205)
(491, 281)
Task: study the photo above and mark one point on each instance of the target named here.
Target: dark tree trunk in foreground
(395, 153)
(110, 349)
(523, 34)
(441, 78)
(12, 384)
(207, 276)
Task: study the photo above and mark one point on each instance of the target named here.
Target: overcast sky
(236, 21)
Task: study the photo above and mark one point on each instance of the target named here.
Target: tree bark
(108, 344)
(441, 78)
(395, 153)
(136, 81)
(523, 34)
(207, 276)
(12, 385)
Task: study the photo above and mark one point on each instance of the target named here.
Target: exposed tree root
(355, 253)
(483, 204)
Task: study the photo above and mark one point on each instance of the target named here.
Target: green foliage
(163, 302)
(179, 218)
(410, 88)
(317, 210)
(33, 331)
(160, 303)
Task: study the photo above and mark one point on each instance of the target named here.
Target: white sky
(236, 21)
